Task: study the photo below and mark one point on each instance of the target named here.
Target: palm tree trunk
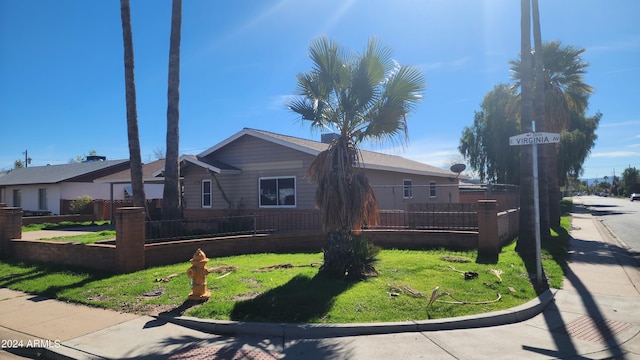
(171, 209)
(137, 184)
(544, 151)
(338, 255)
(526, 238)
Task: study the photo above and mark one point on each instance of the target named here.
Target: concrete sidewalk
(595, 316)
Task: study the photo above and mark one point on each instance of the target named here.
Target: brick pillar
(130, 239)
(488, 242)
(10, 228)
(98, 210)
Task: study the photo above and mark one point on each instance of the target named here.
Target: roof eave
(406, 170)
(259, 135)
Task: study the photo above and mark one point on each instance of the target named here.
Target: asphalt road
(621, 216)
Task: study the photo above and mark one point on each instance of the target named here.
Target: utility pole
(27, 159)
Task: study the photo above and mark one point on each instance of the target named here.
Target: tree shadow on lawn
(40, 271)
(302, 299)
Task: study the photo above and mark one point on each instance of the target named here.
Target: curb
(313, 331)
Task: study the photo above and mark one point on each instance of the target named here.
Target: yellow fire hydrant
(198, 275)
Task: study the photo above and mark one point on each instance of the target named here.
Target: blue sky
(62, 77)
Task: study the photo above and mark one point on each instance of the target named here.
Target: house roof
(148, 174)
(53, 174)
(212, 165)
(370, 159)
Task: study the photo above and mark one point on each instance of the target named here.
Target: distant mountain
(593, 180)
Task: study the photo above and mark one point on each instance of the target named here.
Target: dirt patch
(455, 259)
(251, 281)
(247, 296)
(223, 269)
(99, 298)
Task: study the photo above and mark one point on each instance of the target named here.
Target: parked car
(634, 196)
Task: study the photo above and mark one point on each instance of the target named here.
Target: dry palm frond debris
(166, 278)
(497, 272)
(436, 295)
(283, 266)
(468, 275)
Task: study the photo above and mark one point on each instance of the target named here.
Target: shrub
(82, 205)
(365, 255)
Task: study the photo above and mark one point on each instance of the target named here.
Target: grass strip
(89, 238)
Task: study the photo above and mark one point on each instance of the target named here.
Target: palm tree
(362, 97)
(171, 208)
(137, 184)
(565, 95)
(526, 245)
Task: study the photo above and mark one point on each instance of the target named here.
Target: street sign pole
(534, 139)
(536, 206)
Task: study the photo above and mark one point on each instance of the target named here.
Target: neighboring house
(43, 188)
(120, 182)
(506, 196)
(255, 170)
(120, 190)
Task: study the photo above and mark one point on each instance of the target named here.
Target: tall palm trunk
(542, 124)
(526, 238)
(171, 209)
(137, 184)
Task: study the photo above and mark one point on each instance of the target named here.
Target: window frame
(407, 189)
(433, 190)
(206, 195)
(277, 197)
(17, 198)
(42, 199)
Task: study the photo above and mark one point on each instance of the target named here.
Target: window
(407, 190)
(17, 198)
(432, 189)
(42, 199)
(128, 192)
(206, 193)
(275, 192)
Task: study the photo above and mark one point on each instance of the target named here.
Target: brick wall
(10, 228)
(91, 256)
(130, 253)
(181, 251)
(423, 239)
(55, 219)
(505, 200)
(508, 226)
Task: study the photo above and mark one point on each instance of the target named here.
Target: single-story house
(120, 190)
(261, 171)
(120, 182)
(41, 189)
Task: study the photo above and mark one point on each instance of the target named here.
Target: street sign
(534, 138)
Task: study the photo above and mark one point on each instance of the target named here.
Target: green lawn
(287, 287)
(64, 225)
(89, 238)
